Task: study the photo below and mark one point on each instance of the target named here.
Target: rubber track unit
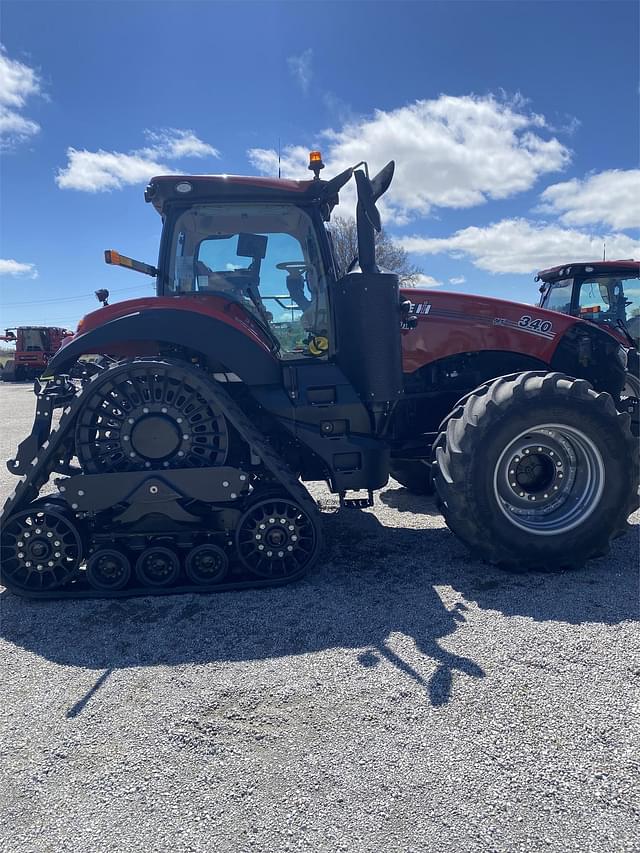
(59, 443)
(453, 453)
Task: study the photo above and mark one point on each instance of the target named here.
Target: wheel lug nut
(56, 543)
(294, 538)
(280, 553)
(131, 421)
(145, 411)
(27, 535)
(164, 410)
(291, 527)
(258, 535)
(283, 521)
(50, 563)
(289, 547)
(178, 420)
(272, 521)
(260, 547)
(57, 554)
(269, 553)
(28, 564)
(20, 555)
(49, 533)
(263, 526)
(185, 437)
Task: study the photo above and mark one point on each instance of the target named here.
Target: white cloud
(18, 82)
(422, 280)
(457, 279)
(450, 152)
(300, 68)
(10, 267)
(178, 143)
(611, 197)
(97, 171)
(520, 246)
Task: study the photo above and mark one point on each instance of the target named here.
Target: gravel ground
(404, 697)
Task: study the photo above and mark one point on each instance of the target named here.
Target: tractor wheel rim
(41, 549)
(549, 479)
(276, 538)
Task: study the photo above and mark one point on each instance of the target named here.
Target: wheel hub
(155, 437)
(549, 479)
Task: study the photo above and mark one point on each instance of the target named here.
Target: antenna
(604, 251)
(278, 157)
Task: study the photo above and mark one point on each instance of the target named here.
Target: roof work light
(315, 163)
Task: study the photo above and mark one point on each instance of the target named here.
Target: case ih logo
(420, 308)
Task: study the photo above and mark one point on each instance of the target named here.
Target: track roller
(276, 538)
(206, 564)
(41, 548)
(108, 569)
(157, 566)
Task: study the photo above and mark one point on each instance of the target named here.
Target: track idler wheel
(41, 549)
(157, 566)
(276, 538)
(108, 569)
(206, 564)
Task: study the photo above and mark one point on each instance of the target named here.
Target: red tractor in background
(606, 293)
(35, 345)
(259, 366)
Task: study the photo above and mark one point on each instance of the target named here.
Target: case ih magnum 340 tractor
(34, 347)
(181, 454)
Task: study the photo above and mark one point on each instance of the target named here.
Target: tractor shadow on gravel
(373, 581)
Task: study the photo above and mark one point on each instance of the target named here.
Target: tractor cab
(605, 292)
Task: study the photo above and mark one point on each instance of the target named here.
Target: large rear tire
(537, 471)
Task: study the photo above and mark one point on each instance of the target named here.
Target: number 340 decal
(535, 324)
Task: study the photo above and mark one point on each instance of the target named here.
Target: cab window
(264, 256)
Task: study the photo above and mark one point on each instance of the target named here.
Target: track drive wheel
(41, 548)
(149, 413)
(537, 471)
(276, 538)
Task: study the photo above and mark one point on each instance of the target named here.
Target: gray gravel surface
(404, 697)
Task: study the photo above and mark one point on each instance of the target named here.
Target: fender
(221, 343)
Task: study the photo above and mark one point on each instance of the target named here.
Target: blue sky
(514, 126)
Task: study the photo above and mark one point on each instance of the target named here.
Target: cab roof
(628, 265)
(163, 189)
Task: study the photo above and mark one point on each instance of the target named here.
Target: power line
(64, 298)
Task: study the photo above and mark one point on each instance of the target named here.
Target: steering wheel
(292, 266)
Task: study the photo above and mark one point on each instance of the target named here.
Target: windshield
(34, 340)
(610, 299)
(264, 256)
(558, 296)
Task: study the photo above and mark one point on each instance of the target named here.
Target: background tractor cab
(604, 292)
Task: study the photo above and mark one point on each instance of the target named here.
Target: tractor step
(356, 502)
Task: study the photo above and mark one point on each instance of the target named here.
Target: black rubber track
(465, 450)
(60, 441)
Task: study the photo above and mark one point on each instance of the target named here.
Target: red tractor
(606, 293)
(259, 365)
(34, 347)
